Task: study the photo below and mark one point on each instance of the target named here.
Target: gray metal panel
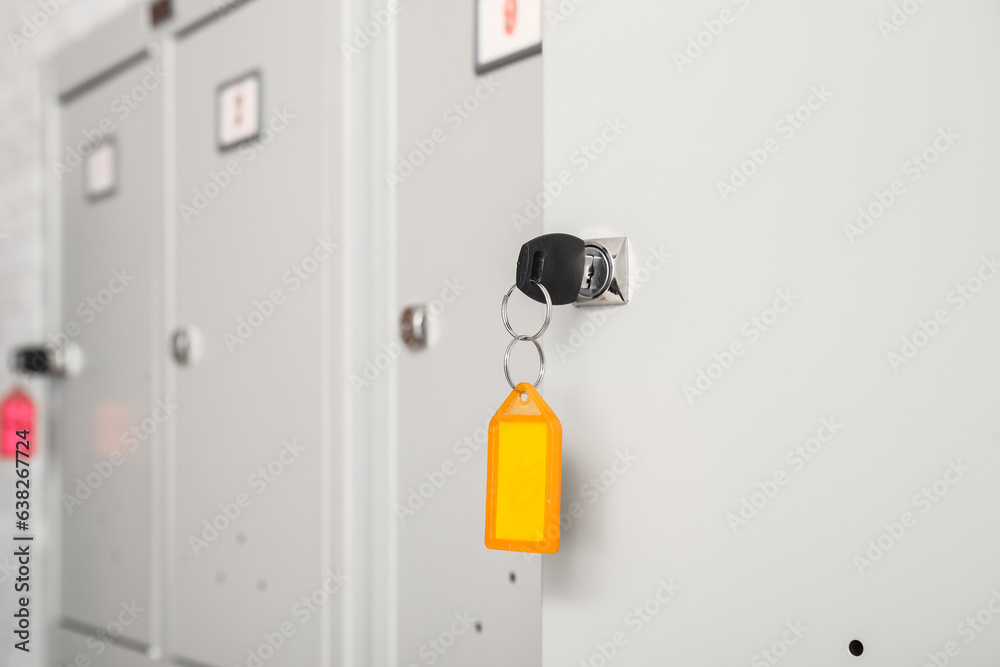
(107, 291)
(457, 249)
(69, 646)
(122, 36)
(240, 405)
(618, 384)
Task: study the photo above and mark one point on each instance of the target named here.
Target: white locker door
(788, 441)
(253, 445)
(458, 602)
(109, 414)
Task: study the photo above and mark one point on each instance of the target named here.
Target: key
(555, 261)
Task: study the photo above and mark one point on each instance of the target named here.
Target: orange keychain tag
(524, 475)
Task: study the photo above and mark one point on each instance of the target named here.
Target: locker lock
(62, 362)
(584, 273)
(413, 327)
(186, 346)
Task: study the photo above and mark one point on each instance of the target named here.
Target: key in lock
(584, 273)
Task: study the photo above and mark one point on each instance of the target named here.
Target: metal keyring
(541, 361)
(545, 324)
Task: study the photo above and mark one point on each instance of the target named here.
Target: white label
(239, 110)
(101, 170)
(507, 28)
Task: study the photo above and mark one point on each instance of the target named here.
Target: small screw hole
(856, 648)
(513, 578)
(479, 626)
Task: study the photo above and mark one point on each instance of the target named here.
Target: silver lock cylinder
(605, 276)
(598, 267)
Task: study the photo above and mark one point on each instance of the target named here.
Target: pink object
(17, 413)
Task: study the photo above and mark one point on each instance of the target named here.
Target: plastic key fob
(554, 260)
(524, 475)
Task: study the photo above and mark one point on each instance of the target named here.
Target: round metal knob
(186, 345)
(413, 327)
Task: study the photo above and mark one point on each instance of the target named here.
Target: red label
(510, 16)
(17, 413)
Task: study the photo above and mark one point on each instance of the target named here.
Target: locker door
(253, 435)
(794, 421)
(458, 602)
(111, 413)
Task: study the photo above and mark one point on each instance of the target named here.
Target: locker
(780, 382)
(105, 426)
(457, 246)
(254, 440)
(274, 485)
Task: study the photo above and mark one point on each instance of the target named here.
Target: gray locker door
(795, 419)
(109, 413)
(247, 454)
(457, 249)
